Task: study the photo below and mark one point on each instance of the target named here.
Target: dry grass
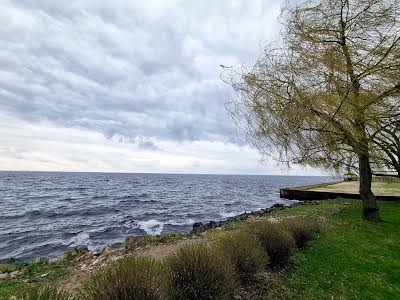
(278, 243)
(128, 278)
(199, 272)
(245, 252)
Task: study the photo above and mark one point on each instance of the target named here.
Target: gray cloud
(142, 70)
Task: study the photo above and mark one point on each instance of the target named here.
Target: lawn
(379, 188)
(351, 259)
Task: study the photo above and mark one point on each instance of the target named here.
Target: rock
(213, 224)
(44, 275)
(3, 276)
(11, 260)
(197, 227)
(14, 274)
(278, 205)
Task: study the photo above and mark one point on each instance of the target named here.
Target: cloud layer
(136, 69)
(130, 86)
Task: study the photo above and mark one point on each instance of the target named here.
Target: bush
(301, 228)
(278, 243)
(45, 293)
(128, 278)
(245, 252)
(199, 272)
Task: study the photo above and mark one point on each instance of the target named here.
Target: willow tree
(386, 148)
(317, 95)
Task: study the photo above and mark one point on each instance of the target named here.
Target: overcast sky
(127, 86)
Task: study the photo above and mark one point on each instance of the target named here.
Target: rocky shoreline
(199, 227)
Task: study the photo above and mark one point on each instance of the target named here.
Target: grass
(133, 243)
(351, 258)
(128, 278)
(30, 276)
(379, 188)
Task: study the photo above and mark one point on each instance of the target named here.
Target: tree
(386, 148)
(317, 96)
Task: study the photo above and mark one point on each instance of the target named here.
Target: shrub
(278, 243)
(45, 293)
(245, 252)
(135, 242)
(128, 278)
(301, 228)
(199, 272)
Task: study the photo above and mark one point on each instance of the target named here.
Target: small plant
(199, 272)
(128, 278)
(132, 243)
(45, 293)
(301, 228)
(245, 252)
(278, 243)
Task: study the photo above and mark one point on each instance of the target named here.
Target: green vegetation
(129, 278)
(245, 252)
(198, 272)
(45, 293)
(301, 228)
(31, 275)
(278, 243)
(133, 243)
(351, 259)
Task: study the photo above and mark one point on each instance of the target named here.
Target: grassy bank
(349, 259)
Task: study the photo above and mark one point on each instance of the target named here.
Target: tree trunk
(370, 206)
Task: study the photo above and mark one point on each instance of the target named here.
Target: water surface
(44, 213)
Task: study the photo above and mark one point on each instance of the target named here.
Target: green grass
(351, 258)
(30, 275)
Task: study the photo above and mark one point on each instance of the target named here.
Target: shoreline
(197, 228)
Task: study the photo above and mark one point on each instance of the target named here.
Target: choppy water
(43, 214)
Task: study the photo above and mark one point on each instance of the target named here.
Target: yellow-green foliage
(128, 278)
(45, 293)
(245, 252)
(302, 229)
(199, 272)
(278, 243)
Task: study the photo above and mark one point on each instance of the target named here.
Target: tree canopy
(320, 94)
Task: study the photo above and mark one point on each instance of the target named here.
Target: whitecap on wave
(230, 214)
(180, 223)
(151, 227)
(81, 239)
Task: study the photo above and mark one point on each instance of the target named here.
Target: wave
(151, 227)
(81, 239)
(230, 214)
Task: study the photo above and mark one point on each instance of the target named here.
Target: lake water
(42, 214)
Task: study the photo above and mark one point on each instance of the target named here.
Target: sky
(128, 86)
